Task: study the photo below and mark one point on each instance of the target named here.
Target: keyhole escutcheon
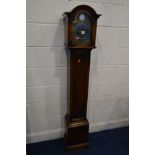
(79, 60)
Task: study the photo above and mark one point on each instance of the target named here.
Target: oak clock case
(80, 35)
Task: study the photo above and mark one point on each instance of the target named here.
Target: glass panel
(81, 30)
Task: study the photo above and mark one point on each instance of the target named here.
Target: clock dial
(81, 29)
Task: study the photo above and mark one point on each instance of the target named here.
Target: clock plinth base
(77, 147)
(76, 136)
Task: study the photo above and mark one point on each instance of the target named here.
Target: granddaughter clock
(80, 35)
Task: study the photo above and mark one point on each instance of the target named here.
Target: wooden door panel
(80, 61)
